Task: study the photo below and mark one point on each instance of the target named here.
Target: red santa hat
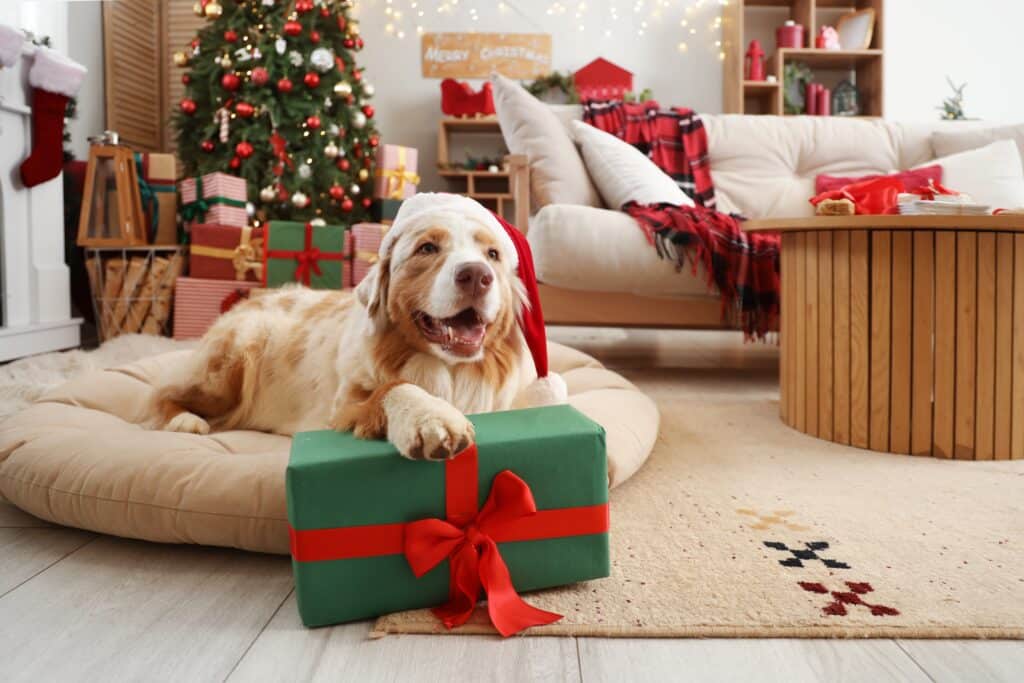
(549, 387)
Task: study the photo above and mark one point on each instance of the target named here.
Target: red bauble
(368, 110)
(234, 163)
(359, 43)
(292, 28)
(259, 76)
(344, 164)
(341, 23)
(186, 79)
(367, 161)
(349, 43)
(303, 6)
(244, 149)
(230, 82)
(325, 12)
(284, 85)
(314, 37)
(339, 62)
(206, 146)
(231, 36)
(357, 75)
(188, 107)
(347, 205)
(282, 193)
(313, 122)
(244, 109)
(367, 202)
(194, 43)
(336, 192)
(374, 141)
(311, 80)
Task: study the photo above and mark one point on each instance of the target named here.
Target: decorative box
(199, 302)
(366, 238)
(159, 198)
(385, 210)
(361, 517)
(226, 252)
(301, 252)
(214, 198)
(395, 174)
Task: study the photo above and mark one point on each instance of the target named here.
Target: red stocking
(54, 78)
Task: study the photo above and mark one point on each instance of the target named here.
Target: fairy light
(682, 47)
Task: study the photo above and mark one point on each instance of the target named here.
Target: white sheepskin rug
(25, 380)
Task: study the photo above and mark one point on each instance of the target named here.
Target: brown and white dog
(433, 333)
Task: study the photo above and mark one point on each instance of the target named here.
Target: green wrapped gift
(385, 210)
(364, 521)
(316, 256)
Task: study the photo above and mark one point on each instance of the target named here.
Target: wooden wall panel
(860, 337)
(1004, 346)
(966, 343)
(1017, 401)
(923, 358)
(785, 339)
(841, 336)
(811, 359)
(985, 375)
(945, 344)
(801, 332)
(881, 338)
(825, 336)
(902, 337)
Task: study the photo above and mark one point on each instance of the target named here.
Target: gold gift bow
(245, 257)
(369, 257)
(397, 177)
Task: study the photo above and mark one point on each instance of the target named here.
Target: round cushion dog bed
(79, 457)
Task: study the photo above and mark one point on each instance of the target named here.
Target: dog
(434, 332)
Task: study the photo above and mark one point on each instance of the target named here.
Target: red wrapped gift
(199, 302)
(366, 238)
(226, 252)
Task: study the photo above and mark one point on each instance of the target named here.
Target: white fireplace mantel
(35, 297)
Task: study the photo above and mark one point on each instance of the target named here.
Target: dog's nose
(474, 278)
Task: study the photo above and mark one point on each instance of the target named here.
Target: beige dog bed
(78, 457)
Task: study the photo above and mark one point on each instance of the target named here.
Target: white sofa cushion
(991, 175)
(622, 173)
(601, 250)
(530, 127)
(948, 142)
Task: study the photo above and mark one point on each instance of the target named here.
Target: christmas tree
(273, 95)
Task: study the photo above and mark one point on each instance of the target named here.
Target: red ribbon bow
(475, 560)
(307, 260)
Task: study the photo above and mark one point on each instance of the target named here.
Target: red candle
(811, 99)
(824, 101)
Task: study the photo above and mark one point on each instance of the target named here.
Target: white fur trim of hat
(428, 206)
(53, 72)
(11, 40)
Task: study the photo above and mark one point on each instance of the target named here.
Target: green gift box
(360, 515)
(301, 252)
(385, 210)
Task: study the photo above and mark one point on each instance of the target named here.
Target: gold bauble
(363, 174)
(214, 9)
(180, 59)
(353, 28)
(342, 88)
(225, 62)
(198, 10)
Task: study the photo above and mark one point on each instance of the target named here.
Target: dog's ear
(372, 292)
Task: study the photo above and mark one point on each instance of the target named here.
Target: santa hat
(549, 388)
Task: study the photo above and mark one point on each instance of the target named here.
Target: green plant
(952, 107)
(795, 77)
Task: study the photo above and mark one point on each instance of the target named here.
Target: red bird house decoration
(602, 80)
(459, 99)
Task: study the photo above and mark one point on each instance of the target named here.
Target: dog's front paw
(187, 423)
(424, 427)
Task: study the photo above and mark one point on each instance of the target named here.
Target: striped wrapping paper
(366, 239)
(197, 303)
(225, 194)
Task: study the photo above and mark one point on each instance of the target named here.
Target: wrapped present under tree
(159, 196)
(213, 198)
(531, 497)
(366, 239)
(225, 252)
(395, 176)
(316, 256)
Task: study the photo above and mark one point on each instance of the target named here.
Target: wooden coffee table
(904, 334)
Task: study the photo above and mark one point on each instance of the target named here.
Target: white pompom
(546, 391)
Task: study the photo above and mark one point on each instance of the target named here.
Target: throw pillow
(557, 173)
(992, 175)
(623, 173)
(911, 179)
(948, 142)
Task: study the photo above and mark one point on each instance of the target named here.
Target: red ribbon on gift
(468, 538)
(307, 260)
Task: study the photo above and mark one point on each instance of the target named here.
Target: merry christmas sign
(476, 55)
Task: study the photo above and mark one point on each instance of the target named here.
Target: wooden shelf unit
(741, 96)
(497, 191)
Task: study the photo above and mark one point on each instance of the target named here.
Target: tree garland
(554, 81)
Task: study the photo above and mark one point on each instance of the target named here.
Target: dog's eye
(427, 248)
(493, 254)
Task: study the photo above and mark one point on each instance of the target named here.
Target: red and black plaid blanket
(744, 267)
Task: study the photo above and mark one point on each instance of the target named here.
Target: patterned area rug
(741, 527)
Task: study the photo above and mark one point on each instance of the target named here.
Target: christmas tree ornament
(359, 120)
(364, 175)
(299, 200)
(368, 89)
(284, 85)
(244, 109)
(318, 222)
(359, 43)
(322, 59)
(367, 202)
(305, 171)
(231, 36)
(347, 205)
(244, 149)
(187, 106)
(268, 194)
(295, 57)
(225, 62)
(368, 110)
(357, 75)
(280, 45)
(342, 88)
(267, 3)
(198, 9)
(180, 59)
(344, 164)
(207, 146)
(235, 163)
(213, 9)
(374, 141)
(250, 209)
(222, 117)
(303, 6)
(292, 28)
(313, 121)
(282, 193)
(353, 28)
(325, 11)
(314, 37)
(186, 79)
(337, 192)
(335, 131)
(354, 190)
(342, 23)
(349, 43)
(311, 80)
(259, 76)
(331, 150)
(230, 82)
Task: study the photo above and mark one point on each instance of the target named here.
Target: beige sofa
(597, 267)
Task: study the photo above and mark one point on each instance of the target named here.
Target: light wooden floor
(79, 606)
